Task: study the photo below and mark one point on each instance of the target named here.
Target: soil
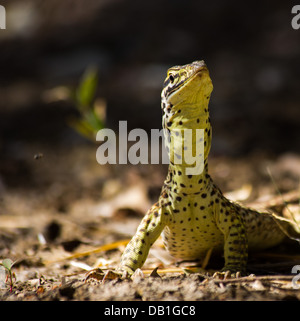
(79, 206)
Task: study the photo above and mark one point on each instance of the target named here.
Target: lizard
(192, 214)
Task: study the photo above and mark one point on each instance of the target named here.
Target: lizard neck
(186, 118)
(179, 182)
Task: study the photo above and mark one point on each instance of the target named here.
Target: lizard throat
(177, 126)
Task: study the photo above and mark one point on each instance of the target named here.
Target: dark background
(251, 50)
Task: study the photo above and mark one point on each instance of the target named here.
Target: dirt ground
(80, 206)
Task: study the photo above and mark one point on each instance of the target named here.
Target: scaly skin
(192, 213)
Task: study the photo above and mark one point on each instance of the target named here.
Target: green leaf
(7, 263)
(86, 90)
(94, 121)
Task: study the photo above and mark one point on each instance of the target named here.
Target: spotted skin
(192, 214)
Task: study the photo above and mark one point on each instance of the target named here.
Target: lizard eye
(171, 78)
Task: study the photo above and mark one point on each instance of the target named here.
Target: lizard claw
(226, 274)
(138, 274)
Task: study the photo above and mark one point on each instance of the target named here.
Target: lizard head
(188, 84)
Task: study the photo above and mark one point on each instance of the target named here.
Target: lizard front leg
(138, 248)
(235, 240)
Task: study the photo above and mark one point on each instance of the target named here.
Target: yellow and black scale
(192, 214)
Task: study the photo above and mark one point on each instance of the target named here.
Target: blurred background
(48, 166)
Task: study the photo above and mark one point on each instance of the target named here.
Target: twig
(103, 248)
(255, 278)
